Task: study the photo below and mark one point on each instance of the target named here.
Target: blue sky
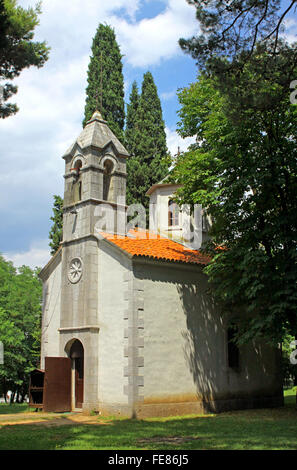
(51, 101)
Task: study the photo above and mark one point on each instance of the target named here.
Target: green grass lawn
(249, 429)
(6, 409)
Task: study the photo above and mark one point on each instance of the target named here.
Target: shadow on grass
(250, 429)
(15, 408)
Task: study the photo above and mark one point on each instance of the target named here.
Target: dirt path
(48, 419)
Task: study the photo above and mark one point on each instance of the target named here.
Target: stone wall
(51, 308)
(185, 349)
(114, 267)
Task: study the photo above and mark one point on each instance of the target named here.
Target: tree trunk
(295, 375)
(5, 391)
(12, 398)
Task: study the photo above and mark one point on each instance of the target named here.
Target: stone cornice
(79, 328)
(78, 239)
(95, 168)
(93, 201)
(53, 262)
(93, 147)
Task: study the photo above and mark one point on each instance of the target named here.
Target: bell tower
(95, 174)
(95, 186)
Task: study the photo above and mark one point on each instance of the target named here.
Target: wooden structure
(50, 389)
(36, 388)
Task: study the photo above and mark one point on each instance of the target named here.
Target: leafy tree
(105, 88)
(243, 169)
(231, 27)
(132, 108)
(17, 48)
(56, 232)
(134, 169)
(234, 33)
(147, 141)
(12, 339)
(20, 322)
(288, 370)
(150, 127)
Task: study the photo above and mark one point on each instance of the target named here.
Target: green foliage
(146, 140)
(132, 107)
(17, 48)
(243, 169)
(260, 429)
(20, 317)
(56, 232)
(288, 369)
(150, 127)
(105, 81)
(230, 28)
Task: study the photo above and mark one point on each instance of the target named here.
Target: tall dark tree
(105, 90)
(150, 127)
(56, 232)
(243, 170)
(132, 108)
(17, 48)
(233, 32)
(147, 141)
(20, 326)
(134, 171)
(231, 27)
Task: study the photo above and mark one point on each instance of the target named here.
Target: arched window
(108, 169)
(173, 213)
(77, 166)
(77, 184)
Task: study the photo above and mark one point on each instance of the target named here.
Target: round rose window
(75, 270)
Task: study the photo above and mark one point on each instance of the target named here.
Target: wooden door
(57, 384)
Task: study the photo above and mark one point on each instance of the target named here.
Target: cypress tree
(56, 232)
(132, 108)
(150, 127)
(146, 140)
(105, 90)
(134, 176)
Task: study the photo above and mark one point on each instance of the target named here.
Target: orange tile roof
(150, 245)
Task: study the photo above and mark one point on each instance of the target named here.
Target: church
(129, 326)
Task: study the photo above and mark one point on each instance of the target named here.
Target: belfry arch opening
(108, 167)
(77, 184)
(77, 166)
(75, 352)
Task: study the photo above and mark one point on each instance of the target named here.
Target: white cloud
(289, 22)
(149, 41)
(168, 95)
(37, 256)
(175, 141)
(290, 33)
(52, 99)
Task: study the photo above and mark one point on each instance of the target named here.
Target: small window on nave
(173, 213)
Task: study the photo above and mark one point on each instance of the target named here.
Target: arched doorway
(76, 354)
